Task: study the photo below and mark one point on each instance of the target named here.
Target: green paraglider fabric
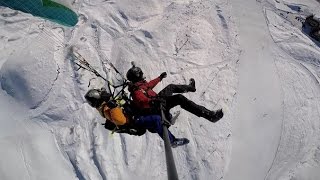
(44, 8)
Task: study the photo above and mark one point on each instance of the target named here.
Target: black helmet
(95, 97)
(135, 74)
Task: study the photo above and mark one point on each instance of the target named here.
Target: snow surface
(247, 57)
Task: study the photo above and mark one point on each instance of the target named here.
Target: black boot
(213, 116)
(192, 84)
(179, 142)
(193, 108)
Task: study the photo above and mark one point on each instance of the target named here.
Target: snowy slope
(246, 58)
(284, 142)
(257, 123)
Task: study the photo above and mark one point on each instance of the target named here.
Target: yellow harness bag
(115, 115)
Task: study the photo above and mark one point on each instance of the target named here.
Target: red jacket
(142, 92)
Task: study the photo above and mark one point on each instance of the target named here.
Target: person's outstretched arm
(151, 84)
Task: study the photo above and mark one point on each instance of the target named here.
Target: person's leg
(153, 124)
(178, 88)
(188, 105)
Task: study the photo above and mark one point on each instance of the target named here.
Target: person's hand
(163, 75)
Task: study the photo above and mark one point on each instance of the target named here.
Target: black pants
(179, 99)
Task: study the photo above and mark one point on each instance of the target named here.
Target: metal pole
(171, 167)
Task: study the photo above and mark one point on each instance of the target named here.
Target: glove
(112, 104)
(163, 75)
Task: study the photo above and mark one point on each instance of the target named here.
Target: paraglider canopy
(44, 8)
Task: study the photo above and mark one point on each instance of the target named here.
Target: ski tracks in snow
(299, 128)
(299, 131)
(258, 98)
